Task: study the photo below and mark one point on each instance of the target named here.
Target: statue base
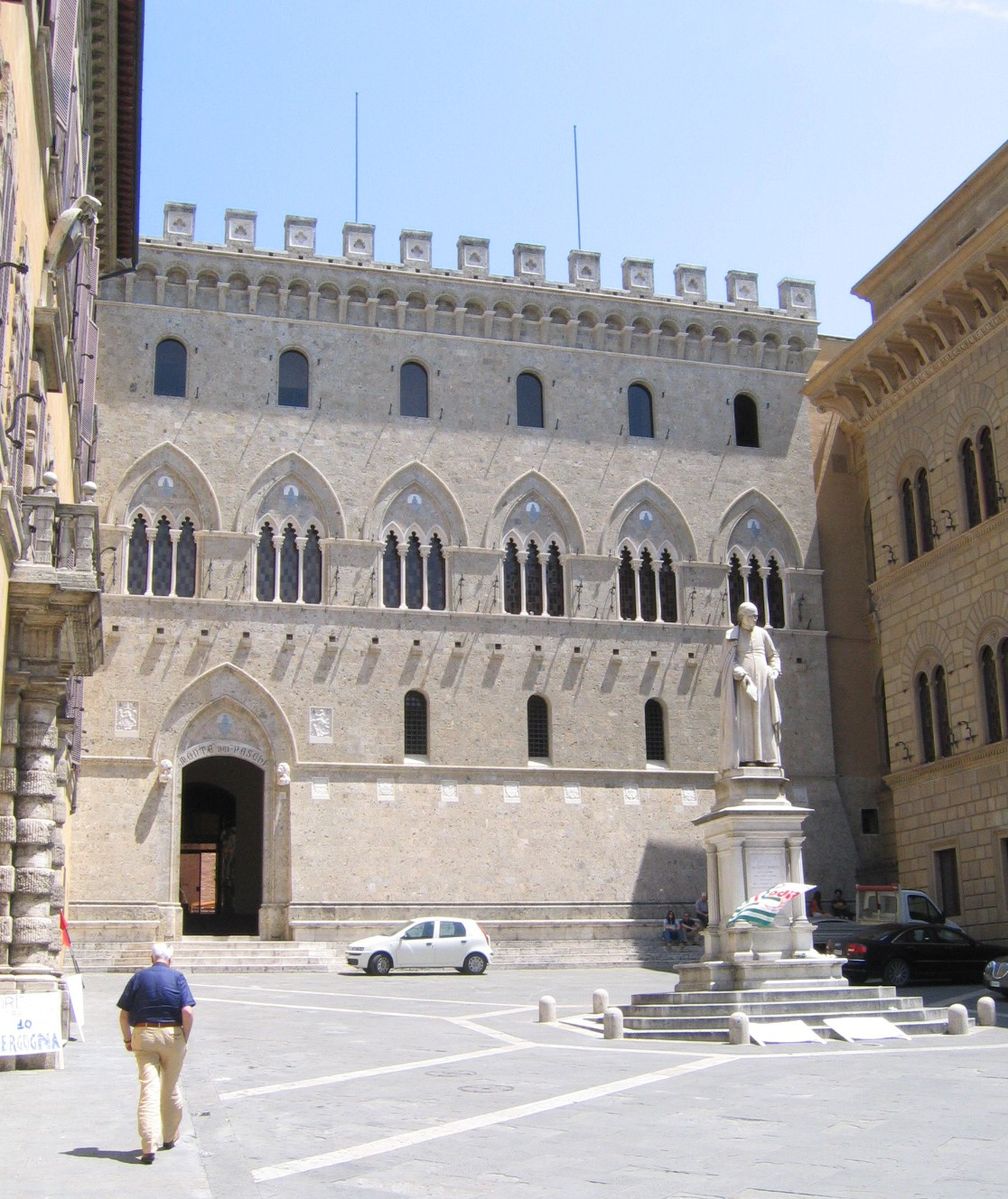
(753, 838)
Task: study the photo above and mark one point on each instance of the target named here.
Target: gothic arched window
(654, 731)
(512, 579)
(924, 510)
(746, 422)
(971, 484)
(627, 587)
(538, 727)
(292, 380)
(909, 520)
(289, 573)
(533, 581)
(162, 564)
(529, 395)
(311, 568)
(436, 578)
(185, 561)
(266, 564)
(161, 571)
(991, 696)
(942, 720)
(554, 582)
(775, 595)
(756, 595)
(736, 586)
(414, 572)
(667, 589)
(391, 587)
(170, 368)
(926, 717)
(988, 472)
(648, 589)
(136, 563)
(415, 724)
(412, 390)
(640, 415)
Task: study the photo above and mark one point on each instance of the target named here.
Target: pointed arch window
(139, 555)
(942, 720)
(654, 731)
(265, 564)
(529, 396)
(288, 565)
(170, 359)
(909, 520)
(391, 581)
(413, 566)
(512, 579)
(924, 510)
(736, 585)
(311, 568)
(640, 414)
(988, 472)
(538, 727)
(756, 595)
(775, 594)
(648, 588)
(667, 589)
(163, 563)
(436, 577)
(185, 561)
(533, 581)
(412, 389)
(746, 422)
(554, 582)
(415, 724)
(292, 380)
(979, 476)
(971, 483)
(627, 587)
(926, 717)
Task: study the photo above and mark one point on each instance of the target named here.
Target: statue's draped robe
(750, 730)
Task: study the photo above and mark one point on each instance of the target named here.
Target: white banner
(30, 1024)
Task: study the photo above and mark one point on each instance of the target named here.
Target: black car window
(919, 907)
(420, 932)
(913, 936)
(452, 928)
(952, 936)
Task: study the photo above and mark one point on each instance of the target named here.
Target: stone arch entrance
(221, 846)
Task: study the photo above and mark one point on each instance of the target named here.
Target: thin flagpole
(356, 157)
(577, 188)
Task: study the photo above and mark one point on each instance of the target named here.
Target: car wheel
(475, 963)
(380, 963)
(896, 973)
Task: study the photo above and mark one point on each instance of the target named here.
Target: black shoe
(168, 1145)
(147, 1159)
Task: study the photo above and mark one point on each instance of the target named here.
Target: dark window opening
(170, 368)
(538, 727)
(292, 388)
(161, 572)
(924, 510)
(627, 587)
(869, 821)
(415, 724)
(640, 417)
(926, 718)
(756, 589)
(971, 484)
(554, 582)
(533, 581)
(512, 579)
(530, 401)
(136, 567)
(988, 473)
(648, 589)
(414, 573)
(909, 520)
(436, 578)
(654, 731)
(746, 422)
(185, 561)
(947, 875)
(775, 595)
(265, 565)
(412, 390)
(311, 568)
(391, 585)
(289, 566)
(736, 586)
(942, 713)
(667, 589)
(992, 701)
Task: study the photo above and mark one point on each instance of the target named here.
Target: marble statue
(283, 774)
(750, 712)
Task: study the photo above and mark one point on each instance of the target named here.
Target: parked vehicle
(431, 941)
(901, 953)
(996, 975)
(877, 904)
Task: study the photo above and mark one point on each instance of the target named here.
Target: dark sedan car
(899, 953)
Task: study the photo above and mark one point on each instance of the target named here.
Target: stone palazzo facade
(416, 581)
(918, 405)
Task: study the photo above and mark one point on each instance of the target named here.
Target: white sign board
(866, 1028)
(30, 1024)
(783, 1032)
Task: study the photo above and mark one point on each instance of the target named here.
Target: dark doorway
(220, 855)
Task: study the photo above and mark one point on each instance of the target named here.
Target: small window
(869, 821)
(654, 731)
(640, 417)
(529, 394)
(170, 368)
(292, 389)
(746, 422)
(412, 390)
(415, 725)
(538, 727)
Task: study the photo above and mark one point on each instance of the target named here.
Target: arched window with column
(934, 721)
(533, 578)
(414, 574)
(762, 584)
(162, 561)
(979, 477)
(288, 564)
(644, 593)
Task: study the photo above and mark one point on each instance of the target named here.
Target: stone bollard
(600, 1001)
(612, 1024)
(958, 1020)
(738, 1029)
(547, 1010)
(986, 1012)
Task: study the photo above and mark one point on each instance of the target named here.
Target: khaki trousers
(159, 1053)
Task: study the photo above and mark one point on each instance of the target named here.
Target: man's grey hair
(160, 951)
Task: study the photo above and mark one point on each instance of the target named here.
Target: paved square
(439, 1085)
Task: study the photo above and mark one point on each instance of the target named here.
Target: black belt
(158, 1024)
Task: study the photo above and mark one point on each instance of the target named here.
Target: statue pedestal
(753, 838)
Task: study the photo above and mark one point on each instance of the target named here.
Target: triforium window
(413, 573)
(644, 592)
(529, 394)
(538, 727)
(288, 565)
(746, 422)
(760, 585)
(412, 390)
(170, 368)
(415, 724)
(640, 416)
(292, 380)
(162, 560)
(530, 577)
(654, 731)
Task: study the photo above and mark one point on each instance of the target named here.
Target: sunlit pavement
(442, 1085)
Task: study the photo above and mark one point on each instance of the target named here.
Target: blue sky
(798, 138)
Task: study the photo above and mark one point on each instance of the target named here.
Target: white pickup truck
(883, 903)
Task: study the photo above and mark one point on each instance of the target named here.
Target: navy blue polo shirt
(156, 995)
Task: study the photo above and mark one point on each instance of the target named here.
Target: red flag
(64, 931)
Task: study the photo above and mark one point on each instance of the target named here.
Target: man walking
(156, 1017)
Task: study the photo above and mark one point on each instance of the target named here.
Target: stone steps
(225, 955)
(704, 1015)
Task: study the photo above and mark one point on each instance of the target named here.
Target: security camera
(69, 231)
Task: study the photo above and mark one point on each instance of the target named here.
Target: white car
(429, 941)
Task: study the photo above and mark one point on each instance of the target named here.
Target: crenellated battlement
(795, 297)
